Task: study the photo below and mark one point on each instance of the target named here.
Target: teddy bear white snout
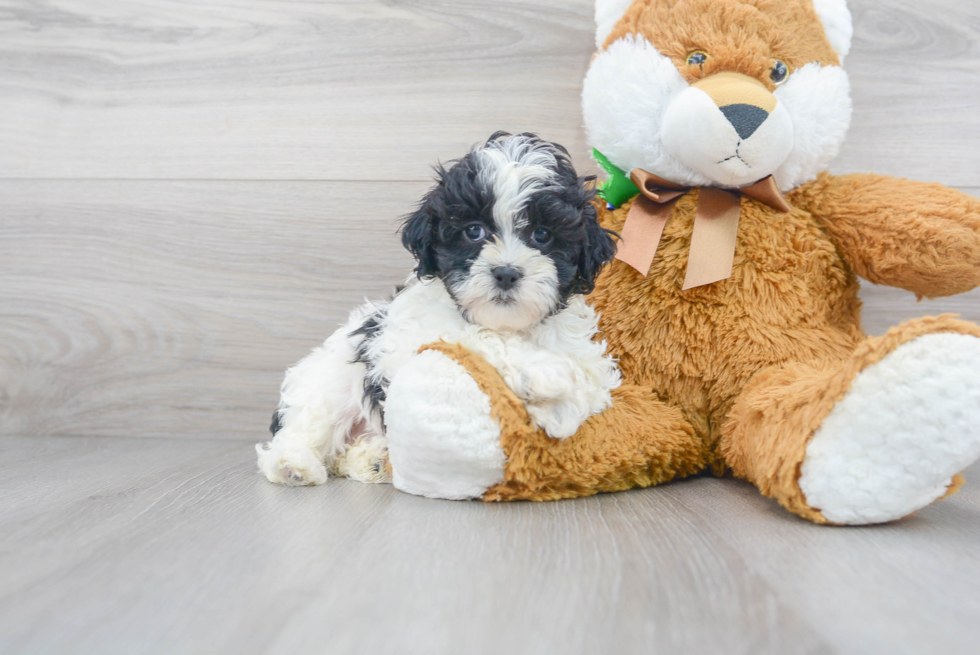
(729, 128)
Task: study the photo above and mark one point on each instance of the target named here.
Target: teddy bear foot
(894, 443)
(443, 441)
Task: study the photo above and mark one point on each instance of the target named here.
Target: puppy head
(511, 230)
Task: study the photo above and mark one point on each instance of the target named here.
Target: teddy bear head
(720, 93)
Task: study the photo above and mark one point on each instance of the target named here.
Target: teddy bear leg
(456, 431)
(638, 442)
(868, 439)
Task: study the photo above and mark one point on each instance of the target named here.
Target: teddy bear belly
(790, 298)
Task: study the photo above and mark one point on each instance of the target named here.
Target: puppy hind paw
(292, 468)
(365, 461)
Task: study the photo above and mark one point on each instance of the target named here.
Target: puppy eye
(541, 236)
(697, 58)
(475, 232)
(780, 73)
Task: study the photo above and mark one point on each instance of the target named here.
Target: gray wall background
(193, 195)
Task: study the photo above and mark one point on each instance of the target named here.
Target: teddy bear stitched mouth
(736, 156)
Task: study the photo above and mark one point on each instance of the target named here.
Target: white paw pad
(293, 467)
(893, 444)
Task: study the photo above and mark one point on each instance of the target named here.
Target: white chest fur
(555, 366)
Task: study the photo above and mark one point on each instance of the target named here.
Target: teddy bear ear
(837, 23)
(607, 14)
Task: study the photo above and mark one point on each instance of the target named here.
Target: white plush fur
(555, 366)
(818, 101)
(626, 94)
(442, 440)
(607, 15)
(837, 23)
(726, 158)
(635, 102)
(905, 428)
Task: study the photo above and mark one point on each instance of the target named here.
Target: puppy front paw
(294, 467)
(541, 383)
(559, 420)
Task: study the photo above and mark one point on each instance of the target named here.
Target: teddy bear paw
(907, 425)
(443, 441)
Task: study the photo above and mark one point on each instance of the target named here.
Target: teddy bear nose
(506, 276)
(743, 100)
(746, 119)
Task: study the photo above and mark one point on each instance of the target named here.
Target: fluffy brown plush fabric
(790, 298)
(913, 235)
(742, 37)
(766, 354)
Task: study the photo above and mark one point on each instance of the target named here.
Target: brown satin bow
(715, 225)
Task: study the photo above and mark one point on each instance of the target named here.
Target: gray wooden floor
(129, 546)
(193, 194)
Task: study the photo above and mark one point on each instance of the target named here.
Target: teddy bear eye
(697, 58)
(779, 73)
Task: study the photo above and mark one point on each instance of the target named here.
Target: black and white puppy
(507, 243)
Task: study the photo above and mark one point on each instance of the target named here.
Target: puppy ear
(597, 251)
(418, 237)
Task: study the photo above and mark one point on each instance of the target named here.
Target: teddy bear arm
(639, 441)
(917, 236)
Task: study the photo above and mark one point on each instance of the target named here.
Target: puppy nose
(506, 276)
(746, 119)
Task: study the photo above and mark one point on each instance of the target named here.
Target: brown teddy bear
(733, 309)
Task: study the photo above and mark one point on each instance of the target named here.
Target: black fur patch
(276, 423)
(374, 391)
